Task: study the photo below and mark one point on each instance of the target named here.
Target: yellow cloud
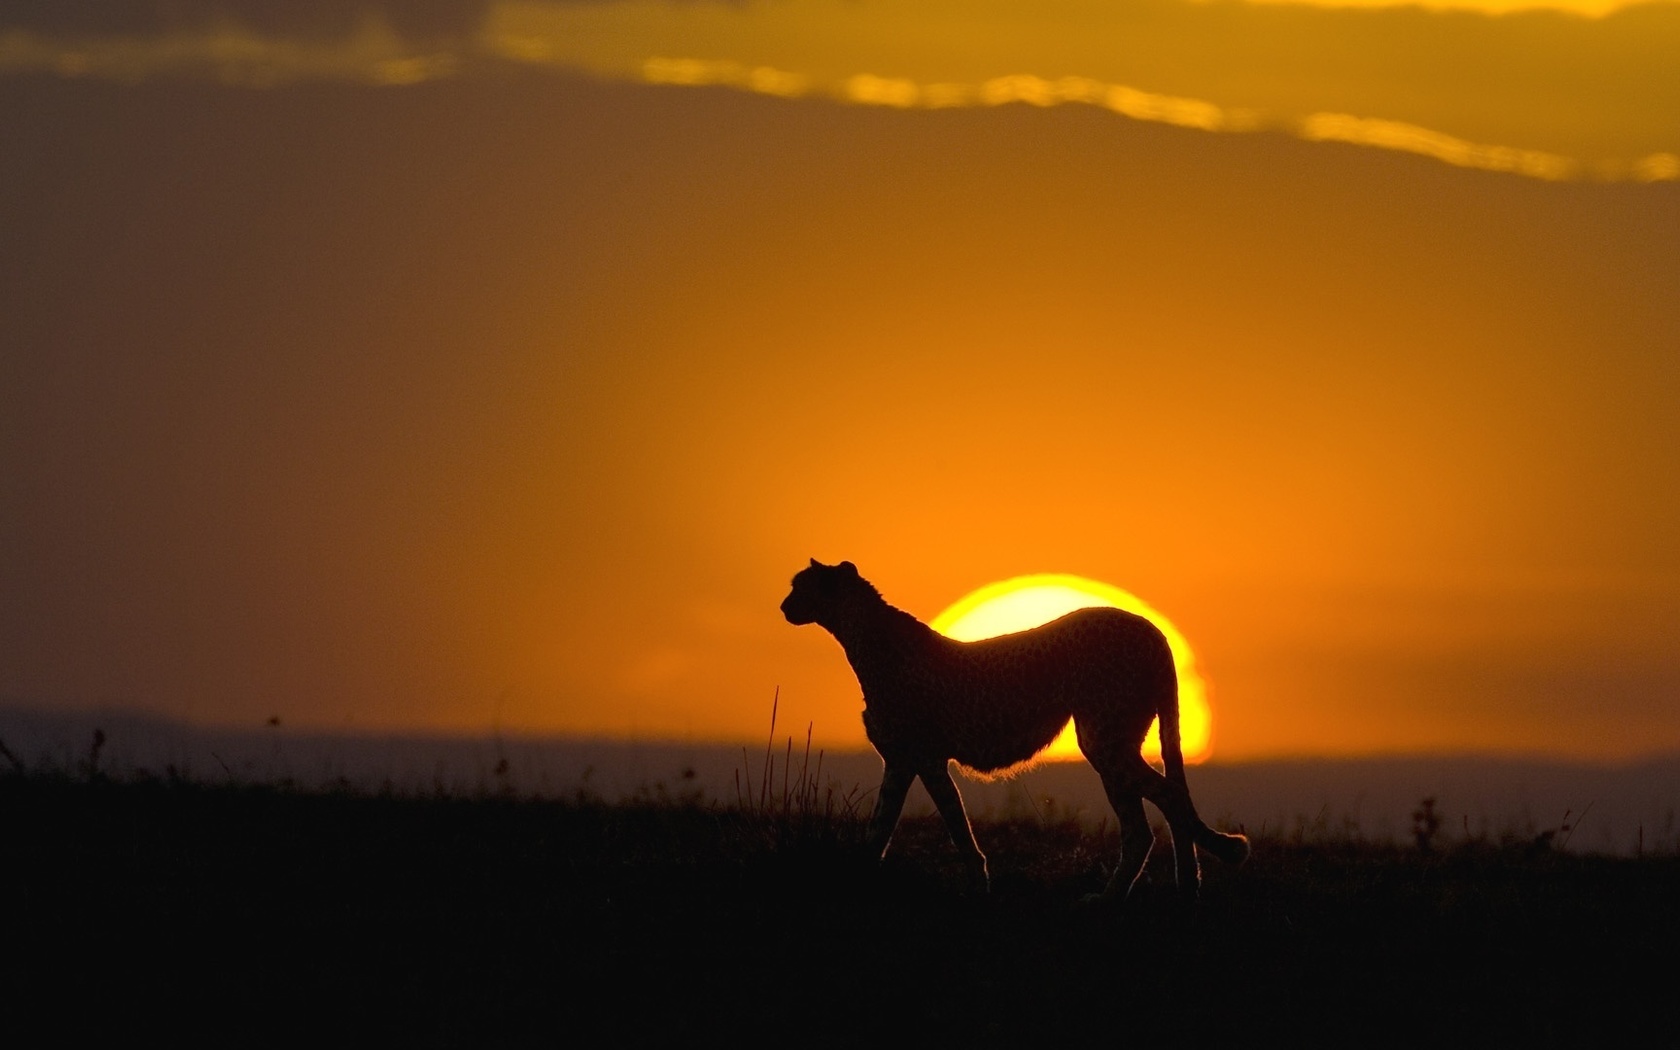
(1389, 134)
(694, 72)
(1546, 96)
(229, 54)
(1585, 8)
(1539, 94)
(1657, 167)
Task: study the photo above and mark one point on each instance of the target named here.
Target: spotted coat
(991, 705)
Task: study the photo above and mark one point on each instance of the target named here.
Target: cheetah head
(821, 592)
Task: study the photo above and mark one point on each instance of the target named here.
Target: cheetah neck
(880, 644)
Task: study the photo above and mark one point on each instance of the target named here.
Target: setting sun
(1027, 601)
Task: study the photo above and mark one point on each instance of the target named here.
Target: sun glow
(1028, 601)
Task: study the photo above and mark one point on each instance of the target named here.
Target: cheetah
(993, 704)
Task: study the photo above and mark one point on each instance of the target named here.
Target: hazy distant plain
(1624, 809)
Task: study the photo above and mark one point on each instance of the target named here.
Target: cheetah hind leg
(1174, 799)
(1136, 841)
(1129, 782)
(1188, 829)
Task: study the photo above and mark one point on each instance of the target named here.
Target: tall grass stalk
(803, 811)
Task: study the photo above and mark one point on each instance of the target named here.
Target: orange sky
(504, 395)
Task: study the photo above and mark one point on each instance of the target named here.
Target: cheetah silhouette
(995, 703)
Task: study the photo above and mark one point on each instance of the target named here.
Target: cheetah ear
(848, 568)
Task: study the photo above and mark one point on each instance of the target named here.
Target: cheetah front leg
(889, 803)
(944, 793)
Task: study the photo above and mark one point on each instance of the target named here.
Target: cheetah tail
(1172, 745)
(1231, 849)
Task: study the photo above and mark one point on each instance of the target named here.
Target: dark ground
(227, 914)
